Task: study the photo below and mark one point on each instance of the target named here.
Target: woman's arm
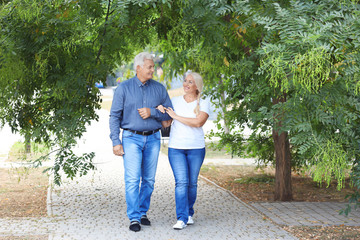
(199, 121)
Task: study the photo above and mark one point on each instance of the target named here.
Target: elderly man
(134, 110)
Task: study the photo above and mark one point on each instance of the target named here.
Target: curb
(49, 197)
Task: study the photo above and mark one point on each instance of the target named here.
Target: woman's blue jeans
(186, 164)
(140, 163)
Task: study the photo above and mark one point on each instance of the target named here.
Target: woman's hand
(198, 121)
(161, 108)
(171, 112)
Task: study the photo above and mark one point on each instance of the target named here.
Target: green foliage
(261, 146)
(47, 78)
(331, 161)
(309, 71)
(354, 198)
(312, 69)
(51, 55)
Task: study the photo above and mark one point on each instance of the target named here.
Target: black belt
(144, 133)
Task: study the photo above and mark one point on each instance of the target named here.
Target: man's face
(145, 72)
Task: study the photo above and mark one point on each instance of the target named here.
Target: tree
(51, 54)
(290, 70)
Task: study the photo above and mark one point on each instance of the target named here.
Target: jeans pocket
(127, 134)
(157, 135)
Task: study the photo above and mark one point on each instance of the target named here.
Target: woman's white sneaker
(179, 225)
(190, 221)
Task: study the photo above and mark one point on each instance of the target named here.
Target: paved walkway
(308, 213)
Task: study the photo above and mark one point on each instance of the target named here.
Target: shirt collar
(139, 83)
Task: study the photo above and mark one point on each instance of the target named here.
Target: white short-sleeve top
(183, 136)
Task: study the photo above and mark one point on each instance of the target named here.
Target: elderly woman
(187, 145)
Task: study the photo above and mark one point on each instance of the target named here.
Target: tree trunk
(27, 144)
(283, 188)
(223, 107)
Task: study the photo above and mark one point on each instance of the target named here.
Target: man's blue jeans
(186, 164)
(140, 162)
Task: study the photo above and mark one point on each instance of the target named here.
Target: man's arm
(116, 114)
(166, 102)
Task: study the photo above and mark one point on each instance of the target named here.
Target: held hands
(171, 112)
(168, 110)
(118, 150)
(146, 113)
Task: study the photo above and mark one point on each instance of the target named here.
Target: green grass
(210, 153)
(207, 168)
(17, 152)
(256, 179)
(164, 148)
(213, 154)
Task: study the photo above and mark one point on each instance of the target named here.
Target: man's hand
(161, 108)
(144, 112)
(118, 150)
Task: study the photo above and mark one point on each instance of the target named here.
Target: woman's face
(189, 85)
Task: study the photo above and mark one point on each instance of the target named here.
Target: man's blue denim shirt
(131, 95)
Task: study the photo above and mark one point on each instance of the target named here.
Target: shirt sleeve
(205, 105)
(116, 114)
(166, 102)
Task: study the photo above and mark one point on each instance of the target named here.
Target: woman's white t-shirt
(183, 136)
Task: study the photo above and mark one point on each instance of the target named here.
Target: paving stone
(308, 214)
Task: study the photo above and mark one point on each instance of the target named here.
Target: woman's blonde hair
(199, 84)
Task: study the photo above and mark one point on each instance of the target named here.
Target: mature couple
(141, 106)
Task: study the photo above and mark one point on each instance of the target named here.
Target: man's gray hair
(140, 58)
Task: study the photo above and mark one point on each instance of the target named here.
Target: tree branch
(104, 33)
